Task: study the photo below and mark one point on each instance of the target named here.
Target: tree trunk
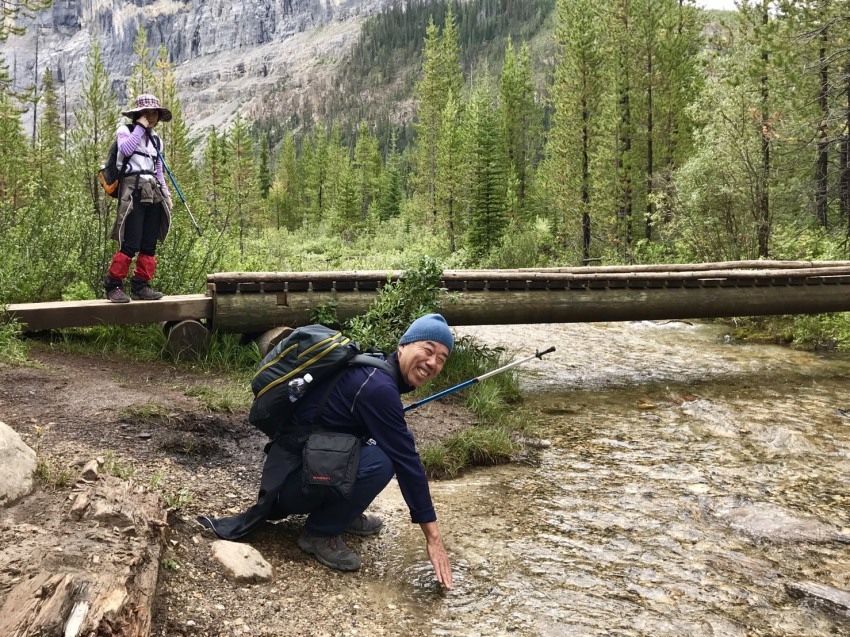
(821, 176)
(763, 205)
(104, 579)
(649, 158)
(585, 178)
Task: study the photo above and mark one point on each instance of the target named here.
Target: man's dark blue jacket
(366, 402)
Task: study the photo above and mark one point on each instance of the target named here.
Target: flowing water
(689, 479)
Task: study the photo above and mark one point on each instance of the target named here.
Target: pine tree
(391, 194)
(142, 78)
(521, 118)
(441, 77)
(49, 133)
(488, 184)
(367, 166)
(216, 179)
(242, 177)
(758, 23)
(264, 176)
(346, 214)
(452, 176)
(284, 194)
(96, 125)
(13, 154)
(578, 101)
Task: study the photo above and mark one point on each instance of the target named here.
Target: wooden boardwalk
(255, 302)
(60, 314)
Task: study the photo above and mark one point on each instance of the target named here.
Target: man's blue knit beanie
(431, 327)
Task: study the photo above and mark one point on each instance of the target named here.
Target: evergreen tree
(96, 125)
(49, 133)
(141, 77)
(758, 23)
(391, 192)
(242, 178)
(521, 118)
(578, 100)
(488, 184)
(215, 177)
(441, 77)
(452, 172)
(265, 175)
(13, 168)
(284, 194)
(622, 72)
(367, 166)
(346, 214)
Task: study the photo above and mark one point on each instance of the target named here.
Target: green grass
(52, 474)
(147, 411)
(222, 399)
(477, 445)
(13, 349)
(115, 466)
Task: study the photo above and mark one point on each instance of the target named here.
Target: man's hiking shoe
(116, 295)
(365, 525)
(146, 293)
(330, 551)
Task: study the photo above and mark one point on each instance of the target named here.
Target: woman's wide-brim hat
(147, 102)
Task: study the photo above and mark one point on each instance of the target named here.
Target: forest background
(545, 132)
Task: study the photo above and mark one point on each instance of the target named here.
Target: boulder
(17, 466)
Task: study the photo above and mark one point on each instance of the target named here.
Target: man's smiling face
(420, 361)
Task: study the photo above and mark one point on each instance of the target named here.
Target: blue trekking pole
(179, 194)
(472, 381)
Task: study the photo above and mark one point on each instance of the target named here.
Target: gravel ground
(72, 408)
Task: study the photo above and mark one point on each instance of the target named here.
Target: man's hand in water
(437, 553)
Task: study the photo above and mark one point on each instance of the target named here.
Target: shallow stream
(689, 479)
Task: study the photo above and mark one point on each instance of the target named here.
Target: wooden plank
(324, 280)
(522, 272)
(61, 314)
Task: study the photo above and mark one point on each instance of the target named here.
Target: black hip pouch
(331, 461)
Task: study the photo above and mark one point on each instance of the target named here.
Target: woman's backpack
(110, 174)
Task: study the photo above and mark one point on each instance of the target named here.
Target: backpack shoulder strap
(364, 360)
(370, 360)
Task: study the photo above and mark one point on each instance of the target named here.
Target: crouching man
(366, 402)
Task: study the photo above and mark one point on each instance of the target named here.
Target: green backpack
(313, 350)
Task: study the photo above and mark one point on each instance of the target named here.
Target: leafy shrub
(399, 303)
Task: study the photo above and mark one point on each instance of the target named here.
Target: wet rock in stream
(831, 598)
(775, 524)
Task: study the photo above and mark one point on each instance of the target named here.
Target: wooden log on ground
(103, 579)
(187, 340)
(272, 337)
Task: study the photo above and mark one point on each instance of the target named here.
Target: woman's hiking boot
(366, 524)
(330, 551)
(142, 291)
(115, 291)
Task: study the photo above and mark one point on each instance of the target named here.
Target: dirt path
(143, 418)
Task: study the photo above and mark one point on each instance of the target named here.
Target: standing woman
(144, 202)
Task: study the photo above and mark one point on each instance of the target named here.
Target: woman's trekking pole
(472, 381)
(179, 194)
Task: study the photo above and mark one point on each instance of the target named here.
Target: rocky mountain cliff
(229, 54)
